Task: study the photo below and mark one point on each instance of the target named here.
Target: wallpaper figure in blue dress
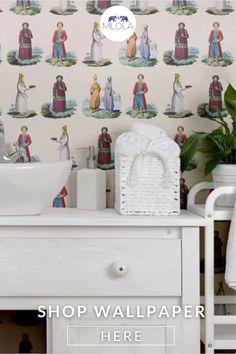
(26, 7)
(102, 103)
(182, 7)
(108, 96)
(143, 54)
(145, 45)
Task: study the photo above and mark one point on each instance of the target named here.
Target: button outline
(122, 345)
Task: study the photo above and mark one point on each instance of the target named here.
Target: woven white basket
(147, 183)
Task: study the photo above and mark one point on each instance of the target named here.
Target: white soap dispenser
(91, 185)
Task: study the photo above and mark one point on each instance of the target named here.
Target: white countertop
(107, 217)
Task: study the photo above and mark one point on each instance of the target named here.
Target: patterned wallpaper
(62, 81)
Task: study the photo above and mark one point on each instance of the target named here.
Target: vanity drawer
(90, 267)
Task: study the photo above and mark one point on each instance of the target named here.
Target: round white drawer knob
(119, 269)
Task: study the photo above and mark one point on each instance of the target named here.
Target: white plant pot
(225, 175)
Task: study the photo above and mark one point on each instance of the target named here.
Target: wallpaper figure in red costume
(215, 94)
(58, 40)
(25, 44)
(180, 3)
(104, 4)
(26, 7)
(104, 147)
(181, 42)
(215, 37)
(24, 141)
(139, 91)
(23, 3)
(59, 95)
(59, 201)
(183, 194)
(182, 7)
(180, 137)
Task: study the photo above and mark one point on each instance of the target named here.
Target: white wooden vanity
(71, 257)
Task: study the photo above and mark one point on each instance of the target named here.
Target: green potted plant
(218, 147)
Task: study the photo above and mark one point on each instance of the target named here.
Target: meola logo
(117, 23)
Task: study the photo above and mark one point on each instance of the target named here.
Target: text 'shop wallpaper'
(66, 87)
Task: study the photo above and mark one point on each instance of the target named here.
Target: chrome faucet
(4, 157)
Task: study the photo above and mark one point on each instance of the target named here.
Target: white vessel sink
(28, 189)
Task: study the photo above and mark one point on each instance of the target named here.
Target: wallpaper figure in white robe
(21, 96)
(64, 4)
(97, 46)
(176, 109)
(64, 8)
(177, 98)
(143, 7)
(20, 108)
(220, 5)
(95, 57)
(63, 141)
(142, 4)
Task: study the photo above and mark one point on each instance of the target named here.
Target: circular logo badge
(117, 23)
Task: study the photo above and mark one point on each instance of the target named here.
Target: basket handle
(166, 178)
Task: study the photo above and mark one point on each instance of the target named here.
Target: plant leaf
(221, 140)
(230, 101)
(188, 150)
(210, 165)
